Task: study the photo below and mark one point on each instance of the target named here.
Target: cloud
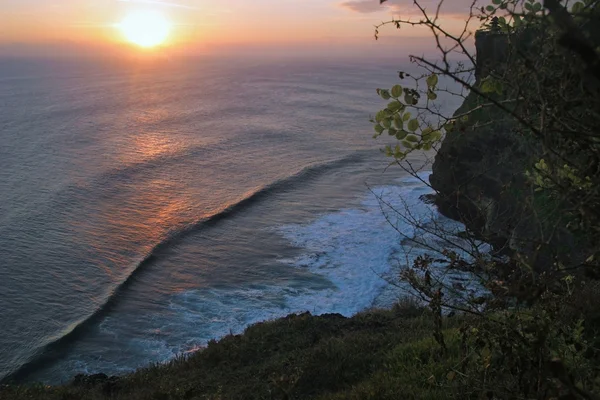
(407, 7)
(362, 6)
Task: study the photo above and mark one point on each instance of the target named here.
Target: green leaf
(407, 144)
(537, 7)
(379, 129)
(398, 123)
(388, 151)
(518, 21)
(485, 352)
(412, 138)
(528, 7)
(450, 376)
(413, 125)
(392, 132)
(490, 8)
(498, 87)
(385, 94)
(488, 85)
(406, 116)
(386, 123)
(432, 80)
(426, 134)
(396, 91)
(395, 106)
(431, 95)
(497, 2)
(401, 135)
(380, 116)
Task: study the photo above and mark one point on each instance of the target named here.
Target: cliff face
(492, 51)
(478, 172)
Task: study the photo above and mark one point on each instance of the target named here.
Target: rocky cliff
(478, 172)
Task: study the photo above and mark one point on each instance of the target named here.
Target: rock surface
(478, 173)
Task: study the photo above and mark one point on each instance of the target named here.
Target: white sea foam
(358, 251)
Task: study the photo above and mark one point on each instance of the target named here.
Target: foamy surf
(357, 249)
(348, 257)
(351, 254)
(362, 251)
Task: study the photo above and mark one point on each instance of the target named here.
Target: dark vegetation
(519, 165)
(373, 355)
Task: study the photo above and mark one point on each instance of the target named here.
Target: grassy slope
(374, 355)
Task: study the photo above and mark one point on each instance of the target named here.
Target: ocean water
(147, 209)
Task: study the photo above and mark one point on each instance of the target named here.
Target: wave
(55, 348)
(109, 182)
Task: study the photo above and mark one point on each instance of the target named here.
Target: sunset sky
(210, 24)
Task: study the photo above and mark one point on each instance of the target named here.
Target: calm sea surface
(146, 210)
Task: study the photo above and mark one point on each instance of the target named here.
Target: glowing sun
(145, 28)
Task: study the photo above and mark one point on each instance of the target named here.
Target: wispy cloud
(159, 3)
(363, 6)
(407, 7)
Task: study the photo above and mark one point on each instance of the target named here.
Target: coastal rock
(479, 174)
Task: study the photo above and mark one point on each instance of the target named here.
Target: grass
(374, 355)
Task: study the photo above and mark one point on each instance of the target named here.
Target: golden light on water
(145, 28)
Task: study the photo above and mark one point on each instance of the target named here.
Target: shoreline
(300, 355)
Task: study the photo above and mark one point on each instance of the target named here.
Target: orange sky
(202, 24)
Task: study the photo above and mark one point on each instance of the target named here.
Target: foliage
(297, 357)
(532, 329)
(374, 355)
(397, 121)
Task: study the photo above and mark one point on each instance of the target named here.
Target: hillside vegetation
(373, 355)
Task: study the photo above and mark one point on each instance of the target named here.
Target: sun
(145, 28)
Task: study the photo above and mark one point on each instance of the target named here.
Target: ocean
(146, 209)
